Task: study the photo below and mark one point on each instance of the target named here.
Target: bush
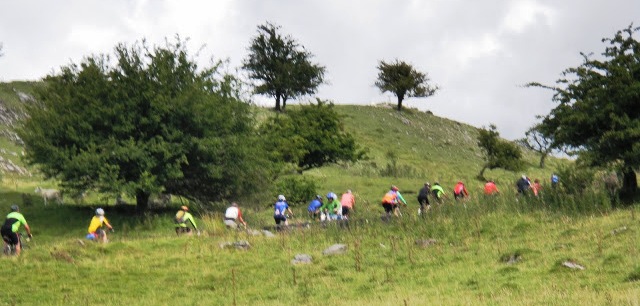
(297, 189)
(576, 179)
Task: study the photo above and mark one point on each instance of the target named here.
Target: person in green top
(10, 229)
(182, 217)
(331, 206)
(438, 192)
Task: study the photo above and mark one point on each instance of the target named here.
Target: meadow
(485, 251)
(495, 251)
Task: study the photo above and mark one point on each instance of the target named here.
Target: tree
(498, 153)
(309, 136)
(404, 81)
(598, 111)
(536, 141)
(281, 66)
(152, 122)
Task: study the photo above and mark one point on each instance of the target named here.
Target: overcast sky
(478, 52)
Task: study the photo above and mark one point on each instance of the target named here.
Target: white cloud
(527, 13)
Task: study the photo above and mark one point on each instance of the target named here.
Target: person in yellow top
(95, 227)
(182, 217)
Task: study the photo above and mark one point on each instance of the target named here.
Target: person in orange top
(490, 188)
(536, 187)
(460, 191)
(347, 201)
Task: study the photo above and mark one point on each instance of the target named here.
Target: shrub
(297, 189)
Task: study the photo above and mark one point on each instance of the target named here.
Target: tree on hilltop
(281, 66)
(151, 122)
(598, 111)
(498, 153)
(404, 81)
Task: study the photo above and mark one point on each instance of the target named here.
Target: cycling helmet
(185, 208)
(15, 207)
(100, 212)
(331, 195)
(281, 198)
(394, 188)
(319, 197)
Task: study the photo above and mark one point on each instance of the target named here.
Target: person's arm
(401, 198)
(240, 218)
(106, 222)
(193, 222)
(28, 229)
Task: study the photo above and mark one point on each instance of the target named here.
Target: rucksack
(179, 216)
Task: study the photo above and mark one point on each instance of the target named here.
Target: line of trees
(148, 119)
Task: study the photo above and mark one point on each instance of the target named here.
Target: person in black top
(523, 185)
(423, 198)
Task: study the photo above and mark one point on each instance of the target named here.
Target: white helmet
(281, 198)
(100, 212)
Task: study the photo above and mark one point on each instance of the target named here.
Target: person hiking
(555, 179)
(182, 217)
(347, 201)
(423, 198)
(536, 187)
(523, 184)
(390, 201)
(460, 191)
(490, 188)
(331, 207)
(281, 207)
(314, 207)
(10, 229)
(96, 232)
(437, 192)
(232, 215)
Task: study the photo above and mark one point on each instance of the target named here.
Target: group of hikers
(333, 208)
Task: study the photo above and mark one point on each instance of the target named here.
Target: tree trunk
(629, 182)
(284, 103)
(142, 201)
(278, 103)
(543, 157)
(400, 98)
(481, 175)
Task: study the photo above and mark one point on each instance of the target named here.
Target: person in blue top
(554, 180)
(280, 211)
(314, 207)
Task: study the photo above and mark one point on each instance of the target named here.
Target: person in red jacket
(460, 191)
(490, 188)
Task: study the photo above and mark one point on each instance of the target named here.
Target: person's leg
(18, 247)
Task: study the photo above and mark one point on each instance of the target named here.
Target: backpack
(389, 198)
(179, 217)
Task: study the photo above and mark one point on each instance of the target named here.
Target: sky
(480, 53)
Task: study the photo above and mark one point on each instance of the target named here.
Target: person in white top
(233, 215)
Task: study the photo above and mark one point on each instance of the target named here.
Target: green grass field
(497, 251)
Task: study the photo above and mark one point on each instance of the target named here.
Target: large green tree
(281, 67)
(309, 136)
(499, 153)
(151, 121)
(403, 80)
(598, 111)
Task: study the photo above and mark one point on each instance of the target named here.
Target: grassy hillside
(486, 251)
